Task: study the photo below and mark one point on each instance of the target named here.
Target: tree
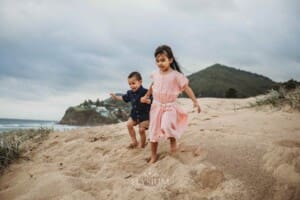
(90, 102)
(98, 103)
(231, 93)
(291, 84)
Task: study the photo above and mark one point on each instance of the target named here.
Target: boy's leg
(143, 126)
(142, 132)
(173, 145)
(153, 152)
(130, 127)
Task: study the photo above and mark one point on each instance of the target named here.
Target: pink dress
(167, 119)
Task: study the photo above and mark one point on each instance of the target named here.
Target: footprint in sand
(160, 156)
(213, 130)
(197, 150)
(101, 138)
(106, 151)
(69, 139)
(98, 149)
(192, 124)
(190, 154)
(283, 161)
(210, 117)
(289, 143)
(47, 158)
(74, 171)
(52, 144)
(6, 186)
(92, 167)
(186, 154)
(208, 177)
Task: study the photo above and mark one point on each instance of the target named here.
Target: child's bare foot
(141, 145)
(154, 156)
(173, 150)
(153, 159)
(132, 146)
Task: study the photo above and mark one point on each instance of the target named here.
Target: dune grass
(11, 141)
(280, 98)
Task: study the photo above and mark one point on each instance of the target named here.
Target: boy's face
(163, 62)
(134, 84)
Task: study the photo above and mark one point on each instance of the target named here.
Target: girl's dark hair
(165, 49)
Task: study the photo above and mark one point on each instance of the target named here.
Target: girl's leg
(168, 125)
(173, 145)
(130, 127)
(153, 152)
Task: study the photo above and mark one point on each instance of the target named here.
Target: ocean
(12, 124)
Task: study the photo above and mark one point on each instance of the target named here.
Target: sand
(230, 151)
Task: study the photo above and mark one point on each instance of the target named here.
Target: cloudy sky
(57, 53)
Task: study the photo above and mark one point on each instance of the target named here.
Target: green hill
(222, 81)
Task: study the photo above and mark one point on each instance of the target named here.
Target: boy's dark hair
(137, 75)
(165, 49)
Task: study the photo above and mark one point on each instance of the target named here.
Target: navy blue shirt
(140, 111)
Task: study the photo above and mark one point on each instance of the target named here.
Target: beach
(229, 151)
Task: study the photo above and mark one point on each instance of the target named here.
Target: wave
(54, 126)
(13, 124)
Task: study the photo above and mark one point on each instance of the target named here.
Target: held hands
(145, 99)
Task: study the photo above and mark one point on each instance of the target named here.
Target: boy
(140, 111)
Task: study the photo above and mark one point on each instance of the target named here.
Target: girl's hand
(196, 105)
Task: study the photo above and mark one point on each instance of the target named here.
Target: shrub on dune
(281, 97)
(11, 141)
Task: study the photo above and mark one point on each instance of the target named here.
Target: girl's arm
(115, 97)
(145, 98)
(188, 90)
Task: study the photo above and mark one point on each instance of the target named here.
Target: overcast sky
(57, 53)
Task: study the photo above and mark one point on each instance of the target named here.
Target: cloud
(52, 49)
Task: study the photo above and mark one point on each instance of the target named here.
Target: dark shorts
(143, 124)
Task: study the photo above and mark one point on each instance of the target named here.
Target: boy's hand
(145, 99)
(113, 96)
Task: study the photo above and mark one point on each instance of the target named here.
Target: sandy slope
(228, 152)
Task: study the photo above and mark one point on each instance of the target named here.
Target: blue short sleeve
(126, 97)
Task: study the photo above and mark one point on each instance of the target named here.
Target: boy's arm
(188, 90)
(115, 97)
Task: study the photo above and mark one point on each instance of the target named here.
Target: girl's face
(163, 62)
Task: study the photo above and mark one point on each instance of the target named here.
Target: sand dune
(228, 152)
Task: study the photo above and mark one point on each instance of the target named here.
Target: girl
(167, 119)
